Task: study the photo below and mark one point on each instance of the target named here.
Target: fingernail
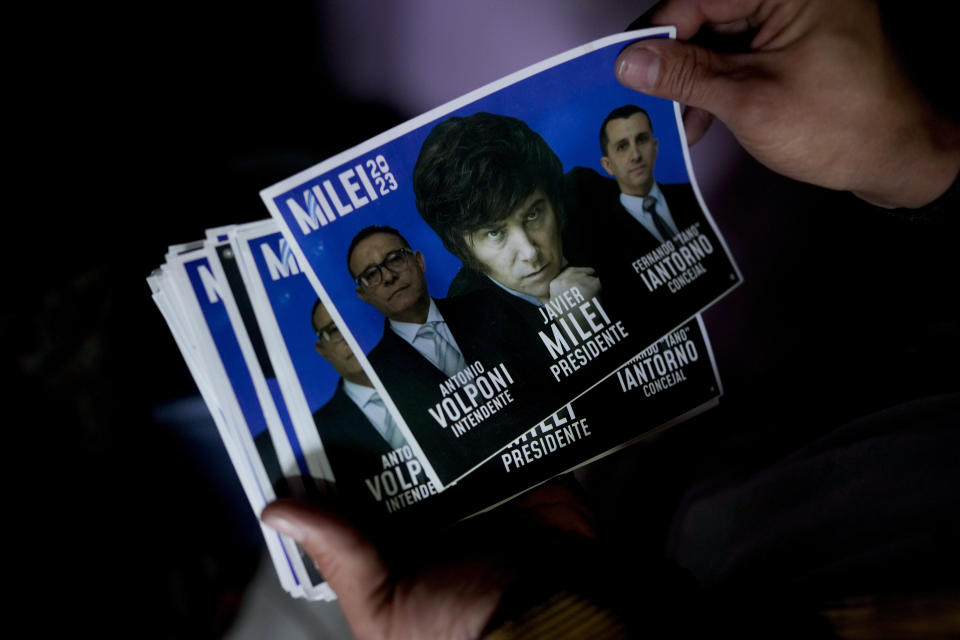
(639, 68)
(284, 526)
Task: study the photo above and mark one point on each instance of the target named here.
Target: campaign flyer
(173, 295)
(494, 259)
(328, 393)
(226, 272)
(221, 344)
(276, 445)
(672, 381)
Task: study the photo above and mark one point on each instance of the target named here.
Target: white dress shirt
(426, 347)
(634, 206)
(361, 397)
(376, 413)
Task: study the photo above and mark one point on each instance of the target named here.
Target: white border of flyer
(611, 270)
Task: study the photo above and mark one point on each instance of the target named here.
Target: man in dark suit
(432, 349)
(354, 425)
(494, 191)
(651, 243)
(492, 188)
(632, 214)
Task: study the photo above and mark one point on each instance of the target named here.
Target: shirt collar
(523, 296)
(408, 330)
(635, 203)
(359, 393)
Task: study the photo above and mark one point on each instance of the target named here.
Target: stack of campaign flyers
(492, 294)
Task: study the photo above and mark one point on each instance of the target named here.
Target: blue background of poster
(218, 322)
(564, 104)
(291, 299)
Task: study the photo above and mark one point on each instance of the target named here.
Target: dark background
(140, 127)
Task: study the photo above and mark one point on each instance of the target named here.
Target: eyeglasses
(396, 261)
(330, 333)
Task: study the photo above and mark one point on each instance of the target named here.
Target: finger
(347, 560)
(678, 71)
(689, 15)
(695, 123)
(730, 28)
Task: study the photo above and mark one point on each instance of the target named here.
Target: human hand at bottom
(451, 582)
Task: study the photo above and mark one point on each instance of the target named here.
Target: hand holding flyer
(775, 95)
(460, 309)
(468, 306)
(488, 263)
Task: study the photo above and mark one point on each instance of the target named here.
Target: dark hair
(475, 171)
(365, 233)
(625, 111)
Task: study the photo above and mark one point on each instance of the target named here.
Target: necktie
(448, 358)
(390, 431)
(650, 206)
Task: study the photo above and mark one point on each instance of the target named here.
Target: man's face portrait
(332, 347)
(631, 154)
(392, 276)
(523, 251)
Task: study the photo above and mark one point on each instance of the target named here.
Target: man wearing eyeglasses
(354, 425)
(391, 277)
(427, 341)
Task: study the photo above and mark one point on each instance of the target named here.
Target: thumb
(348, 561)
(677, 71)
